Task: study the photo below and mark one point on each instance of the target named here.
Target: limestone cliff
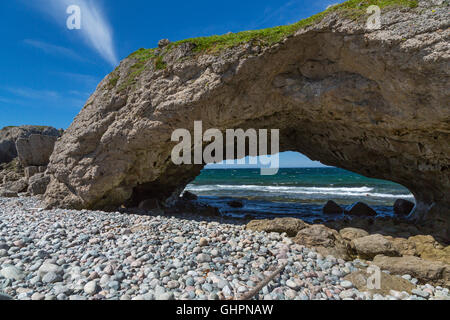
(375, 102)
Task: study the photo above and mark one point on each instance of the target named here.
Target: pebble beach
(91, 255)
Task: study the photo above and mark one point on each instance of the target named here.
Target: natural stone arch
(372, 102)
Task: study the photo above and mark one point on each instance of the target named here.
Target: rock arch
(373, 102)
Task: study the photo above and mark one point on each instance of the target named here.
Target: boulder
(370, 246)
(18, 186)
(163, 43)
(403, 207)
(9, 136)
(35, 150)
(360, 209)
(437, 273)
(361, 279)
(290, 226)
(403, 246)
(325, 240)
(189, 196)
(332, 207)
(38, 184)
(353, 233)
(427, 248)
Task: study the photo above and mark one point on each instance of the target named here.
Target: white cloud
(95, 29)
(32, 93)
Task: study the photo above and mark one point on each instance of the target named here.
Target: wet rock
(403, 207)
(189, 196)
(332, 207)
(290, 226)
(360, 209)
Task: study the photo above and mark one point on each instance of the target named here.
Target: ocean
(293, 192)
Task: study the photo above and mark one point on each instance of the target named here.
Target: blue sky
(48, 71)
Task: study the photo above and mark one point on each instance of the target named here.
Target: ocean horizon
(298, 192)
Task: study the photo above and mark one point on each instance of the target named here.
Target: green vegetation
(352, 9)
(159, 63)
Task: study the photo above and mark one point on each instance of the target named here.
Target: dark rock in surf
(360, 209)
(332, 208)
(403, 207)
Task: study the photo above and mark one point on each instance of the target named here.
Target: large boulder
(350, 234)
(290, 226)
(403, 207)
(370, 246)
(35, 150)
(360, 209)
(332, 207)
(425, 271)
(325, 240)
(9, 136)
(370, 101)
(428, 248)
(361, 279)
(38, 184)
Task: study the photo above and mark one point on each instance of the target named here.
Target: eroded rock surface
(9, 136)
(371, 101)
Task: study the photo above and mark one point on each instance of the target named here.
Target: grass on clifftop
(352, 9)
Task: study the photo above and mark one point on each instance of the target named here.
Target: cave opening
(299, 189)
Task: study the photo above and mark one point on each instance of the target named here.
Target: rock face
(373, 102)
(9, 136)
(35, 150)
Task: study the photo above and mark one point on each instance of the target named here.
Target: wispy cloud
(32, 93)
(95, 29)
(53, 49)
(24, 96)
